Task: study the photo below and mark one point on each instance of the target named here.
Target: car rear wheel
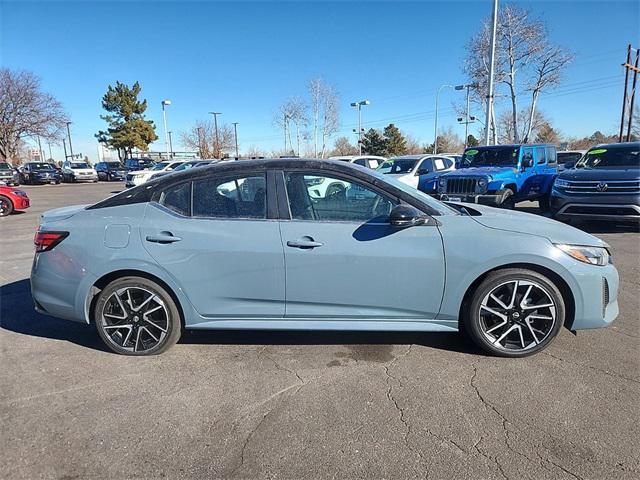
(6, 206)
(515, 313)
(135, 316)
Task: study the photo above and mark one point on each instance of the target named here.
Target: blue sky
(245, 58)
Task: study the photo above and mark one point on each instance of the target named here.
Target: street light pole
(492, 52)
(235, 134)
(170, 145)
(435, 128)
(466, 123)
(359, 106)
(69, 134)
(40, 152)
(215, 124)
(49, 143)
(64, 145)
(166, 132)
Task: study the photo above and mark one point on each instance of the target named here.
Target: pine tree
(127, 127)
(395, 142)
(373, 143)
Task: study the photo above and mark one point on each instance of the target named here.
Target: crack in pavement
(505, 423)
(391, 398)
(611, 374)
(300, 383)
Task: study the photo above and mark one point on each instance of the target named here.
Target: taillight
(45, 241)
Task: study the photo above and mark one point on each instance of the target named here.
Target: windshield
(114, 165)
(160, 166)
(437, 205)
(490, 157)
(397, 165)
(41, 166)
(612, 157)
(5, 166)
(80, 165)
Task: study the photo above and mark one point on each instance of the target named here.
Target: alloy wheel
(517, 315)
(135, 319)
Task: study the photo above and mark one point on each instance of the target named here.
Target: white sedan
(138, 177)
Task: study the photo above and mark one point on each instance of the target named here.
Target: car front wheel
(6, 206)
(514, 313)
(135, 316)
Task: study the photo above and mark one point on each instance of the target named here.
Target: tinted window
(40, 166)
(541, 155)
(552, 158)
(323, 198)
(397, 165)
(239, 197)
(627, 156)
(564, 157)
(5, 166)
(177, 198)
(492, 156)
(425, 167)
(361, 161)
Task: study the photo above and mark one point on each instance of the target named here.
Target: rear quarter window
(177, 198)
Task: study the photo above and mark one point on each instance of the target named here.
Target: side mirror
(403, 216)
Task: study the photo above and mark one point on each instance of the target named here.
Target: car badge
(602, 187)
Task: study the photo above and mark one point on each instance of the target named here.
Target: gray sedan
(245, 245)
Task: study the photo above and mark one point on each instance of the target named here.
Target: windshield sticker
(471, 152)
(597, 151)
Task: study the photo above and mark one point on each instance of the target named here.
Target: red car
(12, 199)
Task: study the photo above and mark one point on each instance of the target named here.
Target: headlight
(591, 255)
(561, 183)
(442, 182)
(482, 182)
(20, 193)
(311, 181)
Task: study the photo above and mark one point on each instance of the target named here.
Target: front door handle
(163, 237)
(304, 243)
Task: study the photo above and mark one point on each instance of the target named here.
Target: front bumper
(85, 178)
(596, 296)
(45, 179)
(605, 207)
(20, 202)
(491, 200)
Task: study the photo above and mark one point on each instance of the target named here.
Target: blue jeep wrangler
(502, 175)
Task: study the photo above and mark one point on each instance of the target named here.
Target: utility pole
(286, 119)
(435, 123)
(70, 146)
(492, 55)
(235, 134)
(64, 144)
(200, 141)
(626, 99)
(49, 143)
(170, 145)
(215, 123)
(40, 149)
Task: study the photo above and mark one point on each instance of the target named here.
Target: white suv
(78, 171)
(138, 177)
(408, 168)
(369, 161)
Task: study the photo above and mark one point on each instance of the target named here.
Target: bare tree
(292, 114)
(342, 146)
(26, 111)
(413, 147)
(526, 122)
(325, 115)
(254, 152)
(202, 138)
(525, 62)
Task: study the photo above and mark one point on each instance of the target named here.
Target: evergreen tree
(472, 141)
(127, 127)
(395, 143)
(373, 143)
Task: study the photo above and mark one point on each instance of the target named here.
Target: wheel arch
(106, 279)
(563, 286)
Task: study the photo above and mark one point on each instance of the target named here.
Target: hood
(493, 172)
(61, 213)
(530, 224)
(622, 173)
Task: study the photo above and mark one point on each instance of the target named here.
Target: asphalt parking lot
(310, 405)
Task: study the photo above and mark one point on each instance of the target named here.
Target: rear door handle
(304, 243)
(163, 237)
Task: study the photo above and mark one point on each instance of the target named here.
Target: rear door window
(230, 197)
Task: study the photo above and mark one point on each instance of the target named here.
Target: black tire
(108, 179)
(6, 206)
(544, 203)
(477, 329)
(140, 326)
(508, 200)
